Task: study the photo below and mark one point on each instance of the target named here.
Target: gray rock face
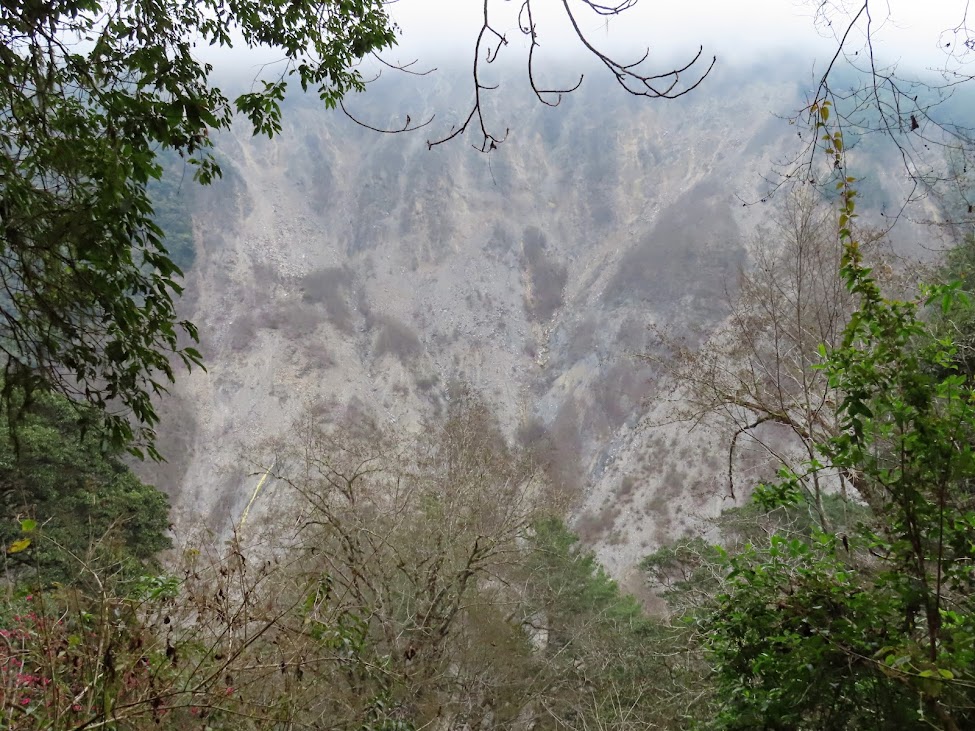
(342, 270)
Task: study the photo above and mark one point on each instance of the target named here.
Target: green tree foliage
(172, 202)
(84, 510)
(605, 663)
(415, 583)
(795, 637)
(570, 582)
(875, 628)
(90, 93)
(957, 322)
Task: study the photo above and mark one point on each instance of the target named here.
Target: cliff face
(346, 271)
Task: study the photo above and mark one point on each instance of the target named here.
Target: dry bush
(330, 288)
(179, 651)
(761, 366)
(672, 484)
(323, 409)
(616, 538)
(413, 535)
(656, 506)
(241, 333)
(626, 488)
(531, 432)
(546, 277)
(396, 338)
(582, 342)
(295, 321)
(500, 243)
(318, 354)
(686, 261)
(620, 391)
(426, 383)
(592, 527)
(558, 448)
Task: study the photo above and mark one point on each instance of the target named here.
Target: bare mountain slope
(349, 270)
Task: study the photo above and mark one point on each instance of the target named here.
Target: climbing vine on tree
(872, 626)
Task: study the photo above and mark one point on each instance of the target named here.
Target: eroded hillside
(353, 273)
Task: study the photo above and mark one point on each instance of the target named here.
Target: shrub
(396, 338)
(546, 277)
(330, 288)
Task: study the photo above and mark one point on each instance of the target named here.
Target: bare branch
(629, 78)
(405, 128)
(629, 75)
(527, 25)
(883, 102)
(406, 68)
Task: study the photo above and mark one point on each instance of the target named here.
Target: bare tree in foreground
(760, 368)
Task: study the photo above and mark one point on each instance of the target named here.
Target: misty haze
(496, 365)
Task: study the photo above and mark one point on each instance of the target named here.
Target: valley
(349, 273)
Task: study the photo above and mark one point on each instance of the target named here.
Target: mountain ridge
(354, 271)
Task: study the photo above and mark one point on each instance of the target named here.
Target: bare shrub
(425, 383)
(560, 452)
(696, 235)
(656, 506)
(620, 391)
(761, 366)
(531, 432)
(241, 333)
(318, 354)
(546, 277)
(591, 527)
(323, 409)
(411, 535)
(616, 538)
(582, 341)
(358, 422)
(626, 488)
(295, 320)
(672, 483)
(330, 288)
(396, 338)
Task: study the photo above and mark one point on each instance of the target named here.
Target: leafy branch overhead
(89, 94)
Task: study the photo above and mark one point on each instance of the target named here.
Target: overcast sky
(738, 31)
(918, 34)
